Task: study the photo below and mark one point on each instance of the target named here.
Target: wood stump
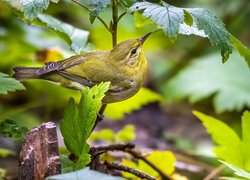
(39, 156)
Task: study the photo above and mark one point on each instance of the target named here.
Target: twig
(138, 155)
(136, 172)
(95, 151)
(214, 172)
(98, 17)
(119, 18)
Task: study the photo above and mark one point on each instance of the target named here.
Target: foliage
(84, 174)
(170, 19)
(205, 77)
(231, 148)
(126, 134)
(96, 7)
(237, 171)
(145, 96)
(163, 159)
(78, 37)
(31, 8)
(79, 121)
(9, 84)
(10, 128)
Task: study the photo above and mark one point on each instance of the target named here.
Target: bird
(124, 66)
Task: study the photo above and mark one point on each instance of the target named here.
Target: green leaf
(214, 28)
(188, 19)
(32, 8)
(162, 159)
(144, 96)
(243, 50)
(9, 84)
(165, 15)
(9, 128)
(174, 20)
(206, 76)
(66, 164)
(78, 122)
(96, 7)
(237, 171)
(127, 3)
(76, 37)
(230, 147)
(83, 174)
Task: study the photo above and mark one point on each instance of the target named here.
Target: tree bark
(39, 156)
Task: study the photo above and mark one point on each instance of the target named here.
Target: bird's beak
(143, 38)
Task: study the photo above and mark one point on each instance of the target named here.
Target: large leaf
(144, 96)
(8, 84)
(78, 37)
(174, 20)
(228, 83)
(83, 174)
(78, 122)
(229, 147)
(32, 8)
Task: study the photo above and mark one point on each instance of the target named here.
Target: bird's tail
(23, 73)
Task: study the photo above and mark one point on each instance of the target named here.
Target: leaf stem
(98, 17)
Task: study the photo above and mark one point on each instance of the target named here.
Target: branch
(119, 18)
(136, 172)
(98, 17)
(138, 155)
(96, 151)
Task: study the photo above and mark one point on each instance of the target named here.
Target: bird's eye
(134, 51)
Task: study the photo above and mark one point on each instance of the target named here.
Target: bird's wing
(85, 82)
(61, 65)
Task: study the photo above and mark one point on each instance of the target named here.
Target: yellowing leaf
(104, 134)
(162, 159)
(126, 134)
(144, 96)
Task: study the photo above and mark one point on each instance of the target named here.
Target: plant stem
(114, 22)
(98, 17)
(136, 172)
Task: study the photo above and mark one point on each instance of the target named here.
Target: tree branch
(136, 172)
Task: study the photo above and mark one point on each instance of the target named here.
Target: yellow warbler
(124, 66)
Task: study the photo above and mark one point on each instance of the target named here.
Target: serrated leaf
(206, 76)
(83, 174)
(96, 7)
(8, 84)
(32, 8)
(78, 122)
(78, 37)
(237, 171)
(174, 20)
(144, 96)
(162, 159)
(10, 128)
(229, 147)
(166, 16)
(243, 50)
(214, 28)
